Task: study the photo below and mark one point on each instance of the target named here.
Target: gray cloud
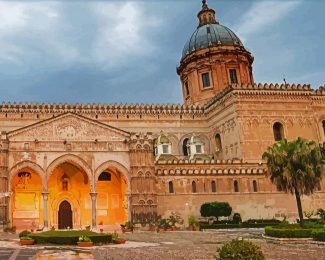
(88, 51)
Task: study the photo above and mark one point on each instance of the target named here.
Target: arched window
(218, 143)
(104, 176)
(193, 186)
(155, 152)
(236, 188)
(213, 186)
(323, 124)
(171, 187)
(254, 186)
(65, 182)
(278, 131)
(185, 148)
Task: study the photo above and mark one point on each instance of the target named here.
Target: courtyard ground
(165, 246)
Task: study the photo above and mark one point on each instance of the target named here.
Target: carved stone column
(45, 199)
(93, 196)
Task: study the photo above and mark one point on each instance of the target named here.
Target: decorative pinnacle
(204, 5)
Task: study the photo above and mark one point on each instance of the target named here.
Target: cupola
(196, 148)
(213, 58)
(163, 148)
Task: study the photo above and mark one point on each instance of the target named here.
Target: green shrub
(192, 221)
(263, 221)
(321, 214)
(236, 218)
(25, 238)
(25, 233)
(289, 232)
(70, 237)
(215, 209)
(318, 235)
(218, 226)
(240, 249)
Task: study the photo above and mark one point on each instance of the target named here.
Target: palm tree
(295, 166)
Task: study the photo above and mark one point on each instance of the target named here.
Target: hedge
(272, 221)
(318, 235)
(233, 225)
(219, 226)
(288, 232)
(69, 237)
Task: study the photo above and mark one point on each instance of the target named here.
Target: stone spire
(206, 15)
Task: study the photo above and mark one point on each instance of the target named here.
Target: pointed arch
(74, 160)
(119, 167)
(28, 165)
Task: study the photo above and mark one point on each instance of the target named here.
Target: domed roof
(162, 139)
(209, 35)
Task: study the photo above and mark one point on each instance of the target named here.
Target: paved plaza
(165, 246)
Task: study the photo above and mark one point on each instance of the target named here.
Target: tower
(213, 58)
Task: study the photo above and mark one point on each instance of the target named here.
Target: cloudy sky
(128, 51)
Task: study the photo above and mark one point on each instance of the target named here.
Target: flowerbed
(70, 237)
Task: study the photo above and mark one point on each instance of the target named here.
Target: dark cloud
(103, 51)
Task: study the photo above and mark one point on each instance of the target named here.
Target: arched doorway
(69, 182)
(65, 215)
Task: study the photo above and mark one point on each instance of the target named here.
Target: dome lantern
(206, 15)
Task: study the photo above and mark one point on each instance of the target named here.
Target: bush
(70, 237)
(260, 223)
(25, 233)
(236, 218)
(291, 231)
(192, 221)
(215, 209)
(321, 214)
(219, 226)
(25, 238)
(240, 249)
(318, 235)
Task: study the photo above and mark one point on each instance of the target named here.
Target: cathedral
(78, 165)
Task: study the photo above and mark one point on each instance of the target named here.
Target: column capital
(93, 195)
(45, 195)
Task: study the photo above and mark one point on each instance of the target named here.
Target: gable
(68, 126)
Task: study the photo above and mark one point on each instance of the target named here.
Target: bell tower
(213, 58)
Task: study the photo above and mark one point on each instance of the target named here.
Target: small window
(278, 131)
(233, 76)
(165, 148)
(193, 186)
(187, 92)
(206, 80)
(198, 148)
(104, 176)
(208, 28)
(171, 187)
(323, 124)
(65, 185)
(218, 143)
(236, 188)
(213, 186)
(155, 152)
(254, 186)
(185, 148)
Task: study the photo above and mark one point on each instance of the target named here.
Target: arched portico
(69, 178)
(26, 183)
(112, 193)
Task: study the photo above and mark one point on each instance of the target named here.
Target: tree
(215, 209)
(296, 167)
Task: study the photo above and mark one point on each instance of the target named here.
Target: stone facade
(100, 160)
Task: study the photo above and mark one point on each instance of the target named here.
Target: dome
(162, 139)
(209, 35)
(196, 140)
